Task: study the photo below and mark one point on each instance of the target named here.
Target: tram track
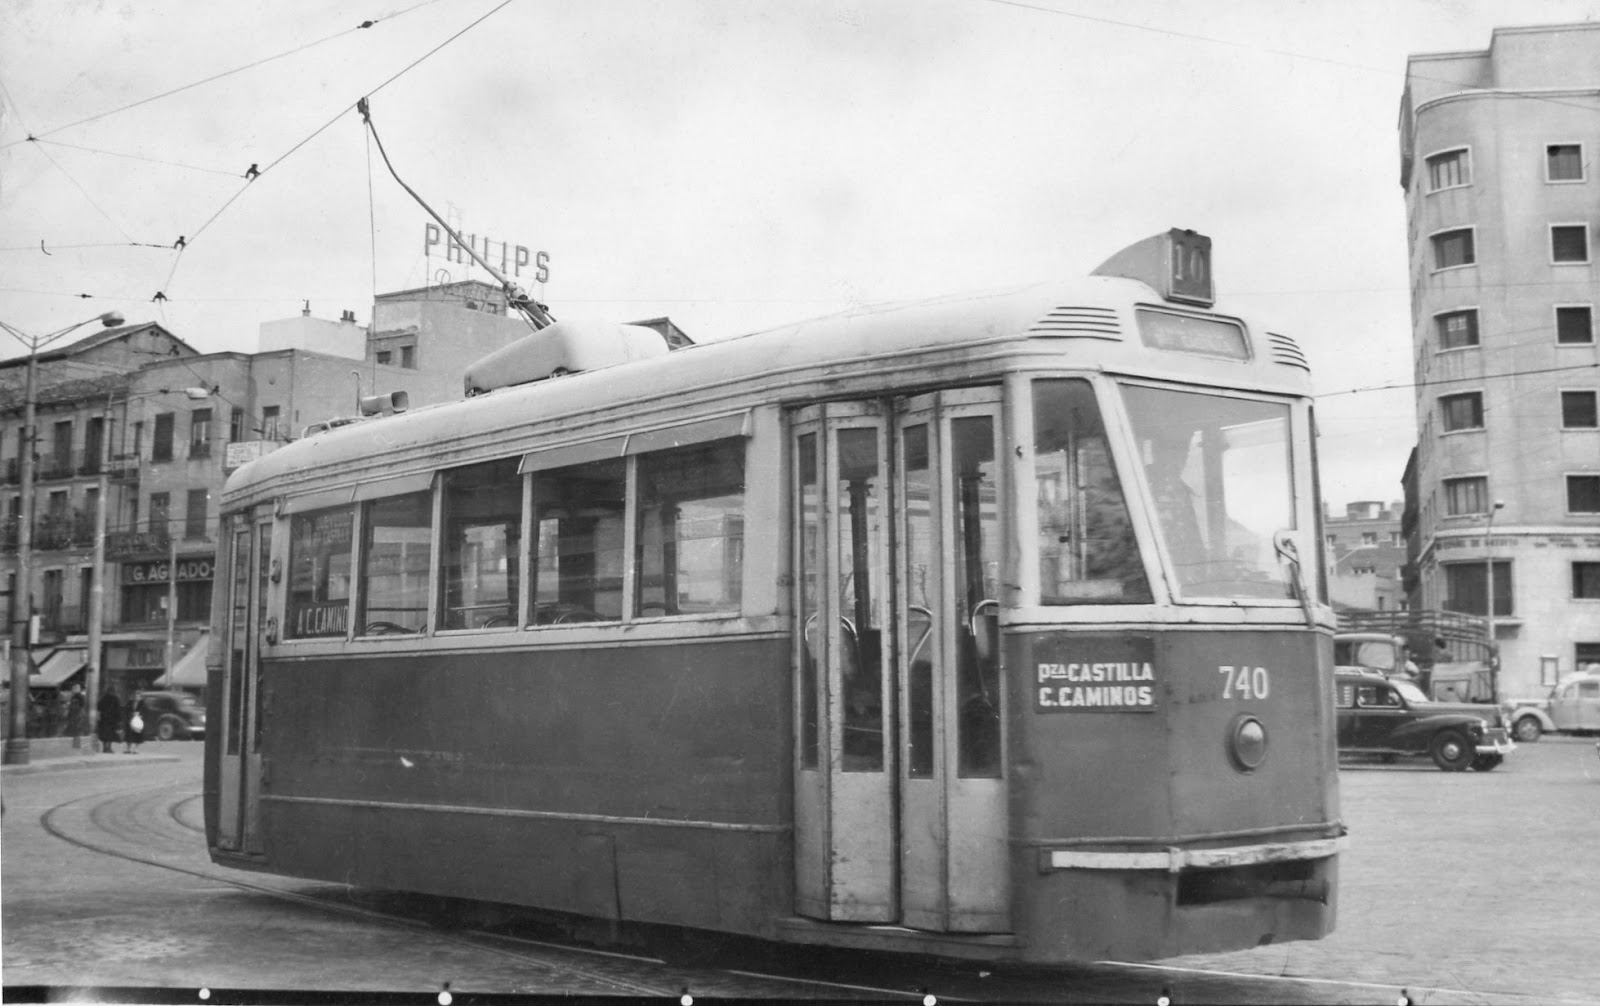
(156, 827)
(160, 827)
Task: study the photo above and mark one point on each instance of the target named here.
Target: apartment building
(1498, 154)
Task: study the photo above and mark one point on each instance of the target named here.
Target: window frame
(1568, 479)
(1444, 412)
(1465, 154)
(162, 448)
(1556, 310)
(1439, 318)
(1470, 230)
(1587, 243)
(1504, 580)
(1447, 484)
(1594, 407)
(1579, 581)
(1583, 173)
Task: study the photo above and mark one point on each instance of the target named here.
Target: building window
(1449, 170)
(1583, 494)
(408, 357)
(200, 433)
(1574, 326)
(1453, 248)
(1461, 412)
(60, 451)
(1578, 410)
(238, 420)
(1457, 329)
(161, 448)
(1586, 581)
(269, 423)
(1563, 162)
(160, 504)
(194, 518)
(384, 356)
(1466, 496)
(1569, 242)
(1369, 537)
(1586, 654)
(1466, 587)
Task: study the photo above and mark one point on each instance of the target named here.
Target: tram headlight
(1247, 742)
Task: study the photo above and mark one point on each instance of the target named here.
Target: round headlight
(1247, 743)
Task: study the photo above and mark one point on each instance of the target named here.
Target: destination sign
(1096, 674)
(1185, 333)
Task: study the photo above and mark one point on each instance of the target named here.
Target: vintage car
(1390, 717)
(172, 716)
(1573, 706)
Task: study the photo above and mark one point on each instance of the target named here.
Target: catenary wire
(218, 76)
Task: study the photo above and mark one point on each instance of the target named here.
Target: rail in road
(158, 826)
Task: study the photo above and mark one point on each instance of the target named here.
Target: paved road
(1459, 888)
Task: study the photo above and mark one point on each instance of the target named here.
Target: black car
(1390, 717)
(172, 715)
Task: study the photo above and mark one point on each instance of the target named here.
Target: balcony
(64, 465)
(129, 544)
(61, 532)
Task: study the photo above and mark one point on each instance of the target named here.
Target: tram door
(900, 803)
(238, 799)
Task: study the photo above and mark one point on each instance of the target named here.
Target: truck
(1448, 654)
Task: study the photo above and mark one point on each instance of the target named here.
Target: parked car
(172, 715)
(1573, 706)
(1390, 717)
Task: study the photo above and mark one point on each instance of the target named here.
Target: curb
(87, 762)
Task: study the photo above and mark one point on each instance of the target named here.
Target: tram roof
(872, 350)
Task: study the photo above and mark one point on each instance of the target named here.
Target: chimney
(305, 312)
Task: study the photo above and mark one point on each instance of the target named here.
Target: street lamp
(1488, 557)
(17, 747)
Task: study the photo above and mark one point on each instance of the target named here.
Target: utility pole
(97, 584)
(17, 750)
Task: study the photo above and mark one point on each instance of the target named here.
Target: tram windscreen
(1221, 474)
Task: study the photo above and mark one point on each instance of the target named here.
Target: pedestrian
(75, 713)
(109, 710)
(133, 730)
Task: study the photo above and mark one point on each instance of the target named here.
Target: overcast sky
(733, 164)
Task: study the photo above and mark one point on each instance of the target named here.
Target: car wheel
(1452, 750)
(166, 729)
(1527, 729)
(1487, 763)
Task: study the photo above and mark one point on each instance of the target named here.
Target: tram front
(1174, 772)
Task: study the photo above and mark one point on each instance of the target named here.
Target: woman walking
(133, 730)
(109, 714)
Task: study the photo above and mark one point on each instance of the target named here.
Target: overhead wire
(217, 76)
(1289, 53)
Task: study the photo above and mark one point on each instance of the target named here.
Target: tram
(992, 626)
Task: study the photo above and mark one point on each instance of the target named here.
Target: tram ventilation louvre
(1286, 352)
(1080, 323)
(564, 347)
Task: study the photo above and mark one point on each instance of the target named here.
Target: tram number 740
(1244, 682)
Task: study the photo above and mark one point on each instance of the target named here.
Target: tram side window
(578, 514)
(482, 529)
(691, 529)
(319, 573)
(397, 538)
(1087, 550)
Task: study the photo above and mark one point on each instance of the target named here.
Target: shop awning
(58, 667)
(190, 669)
